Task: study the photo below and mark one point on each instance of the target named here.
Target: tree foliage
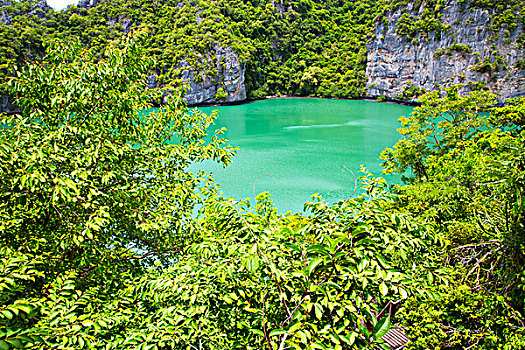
(464, 169)
(101, 246)
(89, 184)
(108, 240)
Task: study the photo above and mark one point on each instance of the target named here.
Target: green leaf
(383, 288)
(25, 308)
(16, 343)
(276, 332)
(293, 247)
(381, 328)
(7, 314)
(318, 311)
(430, 277)
(352, 338)
(257, 332)
(403, 293)
(313, 264)
(316, 247)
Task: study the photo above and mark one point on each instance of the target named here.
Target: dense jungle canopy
(300, 47)
(109, 241)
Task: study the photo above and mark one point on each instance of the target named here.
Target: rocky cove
(471, 48)
(470, 51)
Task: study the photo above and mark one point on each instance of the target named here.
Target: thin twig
(264, 321)
(257, 180)
(291, 314)
(283, 341)
(355, 180)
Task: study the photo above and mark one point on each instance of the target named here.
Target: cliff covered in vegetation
(421, 46)
(225, 50)
(228, 51)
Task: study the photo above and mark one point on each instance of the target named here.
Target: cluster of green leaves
(251, 280)
(410, 93)
(89, 184)
(505, 15)
(466, 168)
(101, 247)
(414, 24)
(490, 65)
(462, 318)
(461, 48)
(23, 37)
(261, 280)
(318, 49)
(221, 94)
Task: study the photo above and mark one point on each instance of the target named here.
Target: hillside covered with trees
(109, 241)
(286, 47)
(306, 48)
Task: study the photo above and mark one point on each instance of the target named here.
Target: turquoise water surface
(302, 144)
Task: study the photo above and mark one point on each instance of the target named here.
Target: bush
(94, 192)
(462, 318)
(221, 94)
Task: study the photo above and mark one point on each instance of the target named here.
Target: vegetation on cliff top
(287, 47)
(302, 47)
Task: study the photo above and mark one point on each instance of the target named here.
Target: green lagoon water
(302, 144)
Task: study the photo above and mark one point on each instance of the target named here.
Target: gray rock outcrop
(203, 86)
(5, 19)
(124, 23)
(40, 9)
(396, 62)
(87, 4)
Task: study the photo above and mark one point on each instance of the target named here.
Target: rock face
(4, 18)
(203, 87)
(124, 22)
(87, 4)
(40, 10)
(396, 62)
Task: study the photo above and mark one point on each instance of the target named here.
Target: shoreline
(270, 97)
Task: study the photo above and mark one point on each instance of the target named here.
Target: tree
(440, 125)
(96, 195)
(467, 162)
(95, 186)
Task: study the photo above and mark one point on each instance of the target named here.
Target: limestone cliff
(217, 77)
(467, 50)
(87, 4)
(224, 84)
(39, 9)
(230, 78)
